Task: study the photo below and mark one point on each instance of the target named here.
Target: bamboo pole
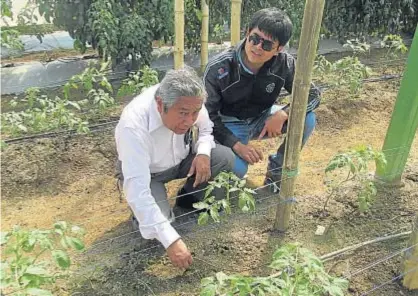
(179, 34)
(235, 21)
(410, 264)
(311, 26)
(204, 36)
(404, 122)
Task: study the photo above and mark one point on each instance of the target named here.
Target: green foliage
(357, 46)
(219, 33)
(90, 78)
(34, 259)
(355, 165)
(136, 82)
(119, 30)
(41, 114)
(347, 72)
(395, 46)
(44, 114)
(296, 271)
(347, 19)
(9, 36)
(94, 82)
(230, 183)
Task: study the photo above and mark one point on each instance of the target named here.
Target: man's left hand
(273, 125)
(201, 168)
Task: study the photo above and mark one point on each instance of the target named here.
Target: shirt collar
(239, 53)
(155, 120)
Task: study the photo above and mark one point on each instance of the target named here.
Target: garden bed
(72, 178)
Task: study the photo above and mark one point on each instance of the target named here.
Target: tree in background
(124, 30)
(9, 37)
(116, 29)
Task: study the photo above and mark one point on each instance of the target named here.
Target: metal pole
(404, 122)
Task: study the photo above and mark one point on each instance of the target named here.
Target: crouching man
(157, 142)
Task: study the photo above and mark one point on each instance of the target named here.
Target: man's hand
(248, 153)
(200, 167)
(179, 254)
(273, 126)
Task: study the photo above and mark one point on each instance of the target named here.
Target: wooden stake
(311, 26)
(410, 264)
(179, 34)
(235, 21)
(204, 36)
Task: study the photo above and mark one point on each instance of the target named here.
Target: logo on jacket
(270, 87)
(222, 73)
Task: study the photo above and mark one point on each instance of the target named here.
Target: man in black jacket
(243, 85)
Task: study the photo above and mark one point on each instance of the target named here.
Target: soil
(72, 178)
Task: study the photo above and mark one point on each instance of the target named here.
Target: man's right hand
(179, 254)
(248, 153)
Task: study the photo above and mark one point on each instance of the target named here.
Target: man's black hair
(274, 23)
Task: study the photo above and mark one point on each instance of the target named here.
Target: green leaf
(38, 292)
(36, 270)
(61, 258)
(203, 218)
(22, 127)
(221, 277)
(206, 281)
(208, 290)
(214, 214)
(75, 243)
(63, 241)
(200, 205)
(62, 225)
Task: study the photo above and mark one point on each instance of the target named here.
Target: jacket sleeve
(314, 97)
(205, 142)
(213, 104)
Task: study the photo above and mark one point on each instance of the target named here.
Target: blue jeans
(249, 129)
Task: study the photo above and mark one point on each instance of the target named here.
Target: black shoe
(186, 200)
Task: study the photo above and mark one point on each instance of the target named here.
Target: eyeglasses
(266, 45)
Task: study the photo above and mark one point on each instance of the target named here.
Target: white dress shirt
(146, 146)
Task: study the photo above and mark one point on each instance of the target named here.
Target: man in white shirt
(154, 145)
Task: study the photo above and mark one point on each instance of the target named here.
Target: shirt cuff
(167, 234)
(204, 148)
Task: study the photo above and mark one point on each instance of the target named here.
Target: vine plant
(230, 183)
(295, 271)
(33, 260)
(355, 165)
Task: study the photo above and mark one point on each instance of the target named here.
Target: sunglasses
(266, 45)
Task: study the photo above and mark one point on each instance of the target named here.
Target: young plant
(357, 46)
(101, 99)
(136, 82)
(295, 271)
(355, 168)
(42, 114)
(348, 71)
(230, 183)
(33, 260)
(89, 78)
(219, 33)
(395, 46)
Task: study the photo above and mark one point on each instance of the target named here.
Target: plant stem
(335, 188)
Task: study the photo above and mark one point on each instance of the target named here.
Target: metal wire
(389, 282)
(96, 127)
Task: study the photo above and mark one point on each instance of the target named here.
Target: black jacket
(232, 91)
